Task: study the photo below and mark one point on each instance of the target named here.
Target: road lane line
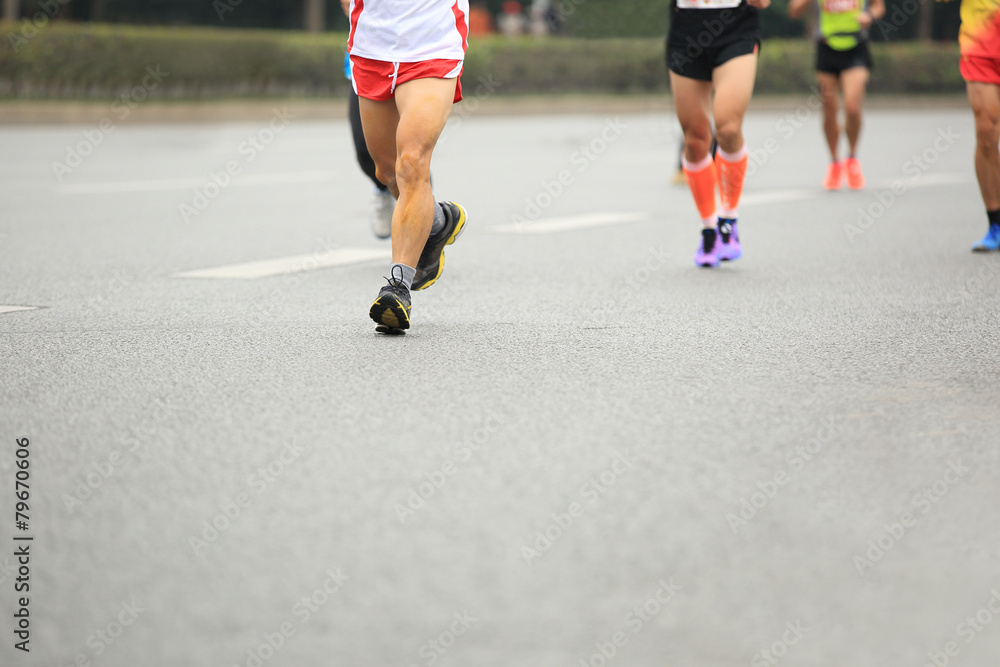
(163, 184)
(569, 223)
(293, 264)
(16, 309)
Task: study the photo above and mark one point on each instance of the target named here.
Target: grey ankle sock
(403, 274)
(438, 218)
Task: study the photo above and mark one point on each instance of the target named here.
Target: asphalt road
(586, 451)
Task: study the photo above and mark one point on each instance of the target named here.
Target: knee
(697, 141)
(386, 173)
(987, 133)
(729, 135)
(852, 108)
(413, 166)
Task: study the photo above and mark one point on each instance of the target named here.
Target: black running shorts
(702, 39)
(832, 61)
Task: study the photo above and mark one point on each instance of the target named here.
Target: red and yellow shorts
(982, 69)
(377, 79)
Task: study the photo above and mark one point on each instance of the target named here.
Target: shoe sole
(389, 313)
(984, 249)
(455, 233)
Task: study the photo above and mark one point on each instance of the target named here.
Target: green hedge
(102, 61)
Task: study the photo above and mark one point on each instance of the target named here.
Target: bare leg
(829, 88)
(692, 100)
(401, 140)
(853, 81)
(733, 82)
(985, 101)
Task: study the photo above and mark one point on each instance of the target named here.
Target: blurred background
(97, 48)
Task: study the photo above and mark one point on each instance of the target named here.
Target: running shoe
(855, 177)
(728, 247)
(381, 217)
(990, 242)
(391, 309)
(431, 263)
(707, 254)
(834, 176)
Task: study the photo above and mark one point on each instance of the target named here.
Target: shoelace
(393, 281)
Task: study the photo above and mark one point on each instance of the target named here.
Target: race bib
(708, 4)
(841, 6)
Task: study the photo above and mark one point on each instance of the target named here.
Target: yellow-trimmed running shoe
(391, 309)
(431, 263)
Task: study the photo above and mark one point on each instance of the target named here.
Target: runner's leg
(692, 99)
(424, 106)
(829, 90)
(854, 81)
(985, 101)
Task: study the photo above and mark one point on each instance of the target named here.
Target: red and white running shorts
(377, 80)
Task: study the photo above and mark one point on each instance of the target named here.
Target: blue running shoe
(990, 242)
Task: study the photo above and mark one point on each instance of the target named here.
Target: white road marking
(781, 196)
(911, 182)
(778, 197)
(293, 264)
(161, 184)
(15, 309)
(554, 225)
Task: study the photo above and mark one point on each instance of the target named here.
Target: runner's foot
(834, 176)
(855, 177)
(990, 242)
(392, 306)
(728, 247)
(431, 263)
(707, 249)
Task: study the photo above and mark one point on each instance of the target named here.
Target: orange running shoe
(855, 178)
(834, 176)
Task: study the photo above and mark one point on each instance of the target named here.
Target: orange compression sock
(732, 173)
(701, 179)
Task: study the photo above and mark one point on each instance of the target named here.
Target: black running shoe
(431, 262)
(391, 310)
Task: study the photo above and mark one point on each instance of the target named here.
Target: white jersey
(409, 31)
